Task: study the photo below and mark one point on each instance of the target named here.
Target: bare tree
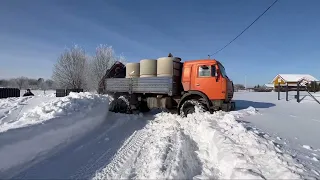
(40, 83)
(103, 59)
(50, 84)
(4, 83)
(12, 83)
(70, 69)
(21, 82)
(238, 87)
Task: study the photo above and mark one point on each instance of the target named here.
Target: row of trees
(238, 87)
(25, 83)
(75, 69)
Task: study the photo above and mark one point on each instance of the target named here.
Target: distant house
(292, 79)
(269, 86)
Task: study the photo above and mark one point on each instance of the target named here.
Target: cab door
(207, 80)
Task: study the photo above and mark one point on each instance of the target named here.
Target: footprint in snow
(315, 159)
(307, 147)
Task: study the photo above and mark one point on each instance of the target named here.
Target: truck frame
(180, 93)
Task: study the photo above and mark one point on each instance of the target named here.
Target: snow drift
(64, 120)
(75, 102)
(8, 105)
(200, 146)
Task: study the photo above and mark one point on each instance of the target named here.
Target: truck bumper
(230, 106)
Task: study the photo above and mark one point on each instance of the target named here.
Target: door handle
(197, 84)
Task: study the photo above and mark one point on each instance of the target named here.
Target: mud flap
(231, 106)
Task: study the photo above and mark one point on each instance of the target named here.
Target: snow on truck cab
(170, 85)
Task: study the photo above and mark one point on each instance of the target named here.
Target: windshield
(222, 70)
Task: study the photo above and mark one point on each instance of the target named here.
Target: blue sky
(286, 40)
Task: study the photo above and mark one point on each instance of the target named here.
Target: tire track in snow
(94, 162)
(166, 154)
(159, 151)
(120, 164)
(181, 160)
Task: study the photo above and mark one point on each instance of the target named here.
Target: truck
(201, 83)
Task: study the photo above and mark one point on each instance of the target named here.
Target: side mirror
(218, 72)
(215, 72)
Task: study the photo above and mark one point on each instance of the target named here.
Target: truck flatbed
(154, 85)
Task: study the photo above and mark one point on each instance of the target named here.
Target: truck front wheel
(190, 106)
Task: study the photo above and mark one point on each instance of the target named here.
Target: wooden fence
(66, 92)
(9, 92)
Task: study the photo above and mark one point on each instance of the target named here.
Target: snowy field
(76, 137)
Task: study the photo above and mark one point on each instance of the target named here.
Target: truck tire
(189, 107)
(143, 107)
(120, 105)
(112, 105)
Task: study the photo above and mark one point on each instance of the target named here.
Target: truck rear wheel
(143, 106)
(119, 105)
(189, 107)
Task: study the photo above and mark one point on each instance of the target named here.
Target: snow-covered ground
(76, 137)
(293, 126)
(12, 109)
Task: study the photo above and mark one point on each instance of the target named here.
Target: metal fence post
(278, 91)
(287, 92)
(298, 92)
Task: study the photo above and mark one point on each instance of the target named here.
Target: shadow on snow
(81, 159)
(244, 104)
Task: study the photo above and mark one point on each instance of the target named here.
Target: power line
(245, 29)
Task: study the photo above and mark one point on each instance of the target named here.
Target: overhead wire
(244, 29)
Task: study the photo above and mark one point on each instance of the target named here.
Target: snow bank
(75, 102)
(70, 118)
(7, 105)
(8, 102)
(158, 151)
(200, 146)
(236, 152)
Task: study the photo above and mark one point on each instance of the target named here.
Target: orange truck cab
(209, 78)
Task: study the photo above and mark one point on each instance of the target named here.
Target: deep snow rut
(159, 151)
(181, 160)
(200, 146)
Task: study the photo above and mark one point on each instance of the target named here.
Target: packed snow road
(75, 137)
(201, 146)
